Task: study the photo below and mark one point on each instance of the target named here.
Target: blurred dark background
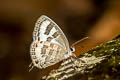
(98, 19)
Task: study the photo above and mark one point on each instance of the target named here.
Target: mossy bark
(100, 63)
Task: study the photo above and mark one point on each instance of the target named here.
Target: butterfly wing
(45, 54)
(45, 34)
(47, 30)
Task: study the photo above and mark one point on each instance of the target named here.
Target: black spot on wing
(36, 61)
(43, 50)
(55, 34)
(45, 46)
(48, 29)
(33, 49)
(49, 39)
(33, 53)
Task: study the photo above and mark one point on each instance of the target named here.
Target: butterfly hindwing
(45, 54)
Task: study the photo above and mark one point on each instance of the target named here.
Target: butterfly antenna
(79, 41)
(31, 65)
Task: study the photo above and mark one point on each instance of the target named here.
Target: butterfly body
(49, 45)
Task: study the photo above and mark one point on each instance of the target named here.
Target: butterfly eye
(72, 49)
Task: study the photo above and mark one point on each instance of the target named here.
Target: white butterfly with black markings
(49, 45)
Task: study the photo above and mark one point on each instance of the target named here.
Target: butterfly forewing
(49, 43)
(47, 30)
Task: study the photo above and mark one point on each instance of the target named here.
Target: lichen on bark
(100, 63)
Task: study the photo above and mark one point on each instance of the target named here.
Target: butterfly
(49, 45)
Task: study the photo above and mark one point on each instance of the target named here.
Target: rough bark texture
(100, 63)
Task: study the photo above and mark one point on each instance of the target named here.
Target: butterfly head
(72, 49)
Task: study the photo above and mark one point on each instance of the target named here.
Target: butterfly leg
(32, 66)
